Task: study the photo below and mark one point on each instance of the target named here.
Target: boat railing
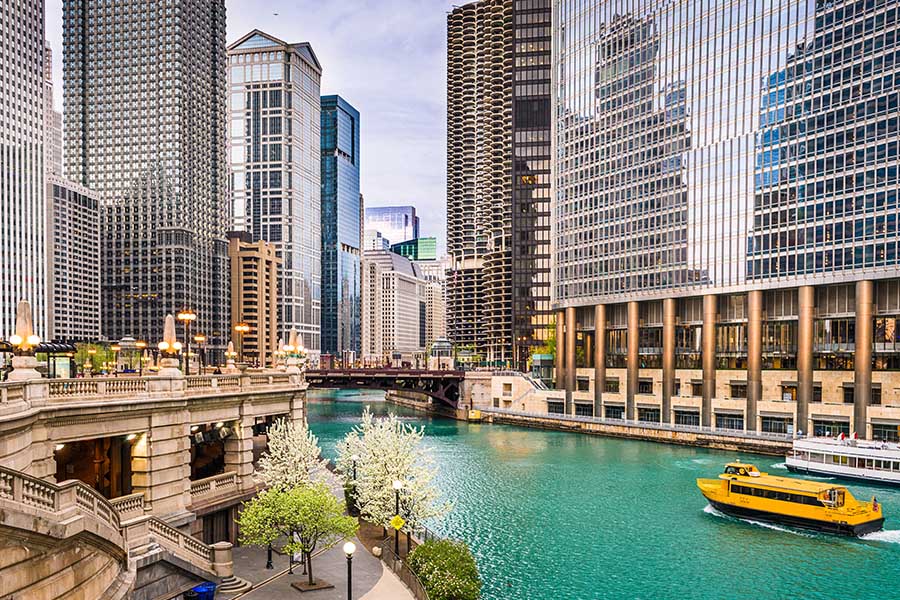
(736, 433)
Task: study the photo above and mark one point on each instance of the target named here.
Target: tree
(292, 458)
(447, 569)
(389, 450)
(304, 517)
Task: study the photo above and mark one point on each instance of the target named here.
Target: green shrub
(447, 569)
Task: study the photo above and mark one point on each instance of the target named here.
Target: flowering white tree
(292, 459)
(389, 450)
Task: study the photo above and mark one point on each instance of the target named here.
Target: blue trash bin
(206, 591)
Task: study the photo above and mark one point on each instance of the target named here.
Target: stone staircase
(66, 541)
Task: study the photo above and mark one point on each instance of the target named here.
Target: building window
(584, 410)
(886, 432)
(645, 386)
(676, 390)
(612, 386)
(614, 412)
(817, 392)
(696, 389)
(739, 390)
(507, 389)
(556, 408)
(789, 392)
(876, 395)
(729, 422)
(777, 424)
(830, 428)
(582, 384)
(687, 417)
(848, 393)
(648, 415)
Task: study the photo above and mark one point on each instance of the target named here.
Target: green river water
(553, 515)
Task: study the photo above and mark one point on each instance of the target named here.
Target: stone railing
(223, 483)
(130, 506)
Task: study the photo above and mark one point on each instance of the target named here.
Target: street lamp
(398, 485)
(187, 316)
(241, 328)
(115, 350)
(141, 345)
(349, 549)
(89, 361)
(200, 339)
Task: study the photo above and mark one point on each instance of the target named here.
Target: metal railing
(735, 433)
(402, 571)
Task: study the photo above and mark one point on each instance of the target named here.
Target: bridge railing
(735, 433)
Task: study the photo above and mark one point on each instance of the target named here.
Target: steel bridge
(443, 386)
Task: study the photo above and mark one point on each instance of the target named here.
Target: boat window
(853, 461)
(869, 463)
(816, 457)
(730, 470)
(896, 466)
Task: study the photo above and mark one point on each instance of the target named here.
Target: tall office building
(53, 145)
(144, 99)
(396, 223)
(22, 209)
(725, 221)
(423, 248)
(498, 177)
(275, 182)
(341, 243)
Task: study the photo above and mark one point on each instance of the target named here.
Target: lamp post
(269, 564)
(141, 345)
(349, 549)
(398, 485)
(187, 316)
(115, 350)
(200, 339)
(354, 458)
(89, 361)
(241, 328)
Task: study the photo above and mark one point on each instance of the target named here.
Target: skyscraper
(341, 244)
(52, 121)
(275, 182)
(396, 223)
(725, 221)
(144, 98)
(498, 177)
(22, 210)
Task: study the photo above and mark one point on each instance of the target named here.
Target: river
(567, 516)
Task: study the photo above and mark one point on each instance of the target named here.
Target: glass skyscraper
(274, 154)
(144, 99)
(396, 223)
(726, 211)
(340, 227)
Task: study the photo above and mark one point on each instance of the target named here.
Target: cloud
(388, 59)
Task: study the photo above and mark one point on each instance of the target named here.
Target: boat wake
(780, 465)
(891, 536)
(708, 509)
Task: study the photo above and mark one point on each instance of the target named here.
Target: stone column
(570, 357)
(754, 357)
(599, 358)
(239, 454)
(805, 329)
(862, 361)
(588, 350)
(668, 359)
(633, 356)
(710, 308)
(560, 349)
(161, 464)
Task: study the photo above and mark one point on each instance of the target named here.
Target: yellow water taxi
(743, 491)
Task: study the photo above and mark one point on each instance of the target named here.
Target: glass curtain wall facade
(396, 223)
(340, 227)
(498, 178)
(737, 160)
(22, 210)
(144, 129)
(275, 159)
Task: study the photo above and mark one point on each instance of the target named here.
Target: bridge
(443, 386)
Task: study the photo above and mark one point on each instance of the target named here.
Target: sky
(388, 59)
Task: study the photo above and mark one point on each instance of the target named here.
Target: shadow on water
(560, 515)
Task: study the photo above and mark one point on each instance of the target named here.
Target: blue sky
(388, 59)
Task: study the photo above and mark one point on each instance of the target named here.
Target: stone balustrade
(130, 506)
(223, 483)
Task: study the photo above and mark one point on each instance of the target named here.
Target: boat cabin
(741, 470)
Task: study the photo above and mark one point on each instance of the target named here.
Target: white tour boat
(870, 461)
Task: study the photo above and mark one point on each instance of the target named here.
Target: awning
(838, 418)
(43, 347)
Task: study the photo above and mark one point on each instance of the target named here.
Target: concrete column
(633, 356)
(588, 350)
(161, 469)
(239, 455)
(570, 357)
(560, 349)
(805, 329)
(668, 359)
(754, 357)
(710, 308)
(862, 361)
(599, 358)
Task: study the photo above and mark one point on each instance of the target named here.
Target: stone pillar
(163, 472)
(560, 349)
(862, 361)
(239, 454)
(633, 356)
(588, 350)
(222, 561)
(805, 328)
(754, 357)
(668, 359)
(570, 366)
(710, 309)
(599, 358)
